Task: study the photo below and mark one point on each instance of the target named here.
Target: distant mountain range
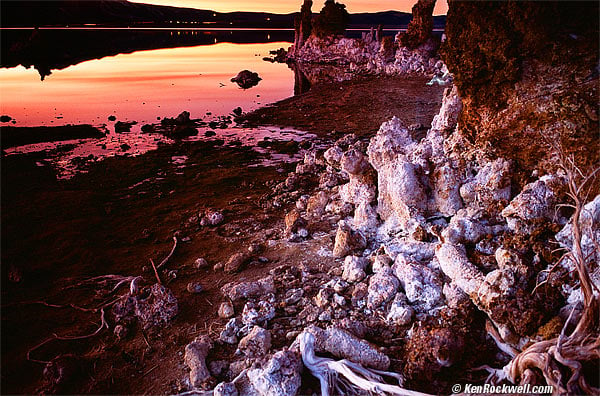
(119, 13)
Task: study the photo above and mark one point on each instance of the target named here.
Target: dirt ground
(125, 211)
(357, 106)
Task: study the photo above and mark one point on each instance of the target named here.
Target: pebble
(339, 300)
(200, 263)
(120, 332)
(194, 287)
(226, 310)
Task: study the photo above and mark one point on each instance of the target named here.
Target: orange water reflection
(145, 85)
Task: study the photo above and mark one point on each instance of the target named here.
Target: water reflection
(56, 49)
(144, 85)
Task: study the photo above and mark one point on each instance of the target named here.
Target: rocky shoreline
(417, 258)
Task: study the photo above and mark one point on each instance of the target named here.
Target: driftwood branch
(346, 377)
(162, 263)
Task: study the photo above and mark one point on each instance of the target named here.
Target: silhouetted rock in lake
(122, 126)
(246, 79)
(5, 118)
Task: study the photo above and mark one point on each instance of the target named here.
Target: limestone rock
(347, 240)
(535, 205)
(590, 228)
(455, 264)
(280, 376)
(391, 139)
(158, 308)
(226, 310)
(489, 186)
(200, 263)
(256, 343)
(420, 28)
(359, 189)
(316, 204)
(382, 288)
(343, 344)
(447, 117)
(249, 289)
(354, 269)
(400, 312)
(354, 162)
(225, 389)
(195, 359)
(230, 332)
(463, 229)
(333, 155)
(401, 193)
(194, 288)
(235, 262)
(422, 286)
(446, 190)
(258, 313)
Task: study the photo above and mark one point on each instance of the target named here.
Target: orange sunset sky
(287, 6)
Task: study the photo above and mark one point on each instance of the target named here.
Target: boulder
(422, 286)
(382, 288)
(345, 345)
(536, 205)
(354, 269)
(237, 291)
(347, 240)
(256, 343)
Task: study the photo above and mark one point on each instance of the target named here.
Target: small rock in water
(209, 133)
(246, 79)
(237, 111)
(112, 118)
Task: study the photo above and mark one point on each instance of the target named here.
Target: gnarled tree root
(346, 377)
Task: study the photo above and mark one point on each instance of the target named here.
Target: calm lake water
(142, 85)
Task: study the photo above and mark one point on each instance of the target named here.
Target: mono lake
(194, 75)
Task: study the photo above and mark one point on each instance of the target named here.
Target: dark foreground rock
(18, 136)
